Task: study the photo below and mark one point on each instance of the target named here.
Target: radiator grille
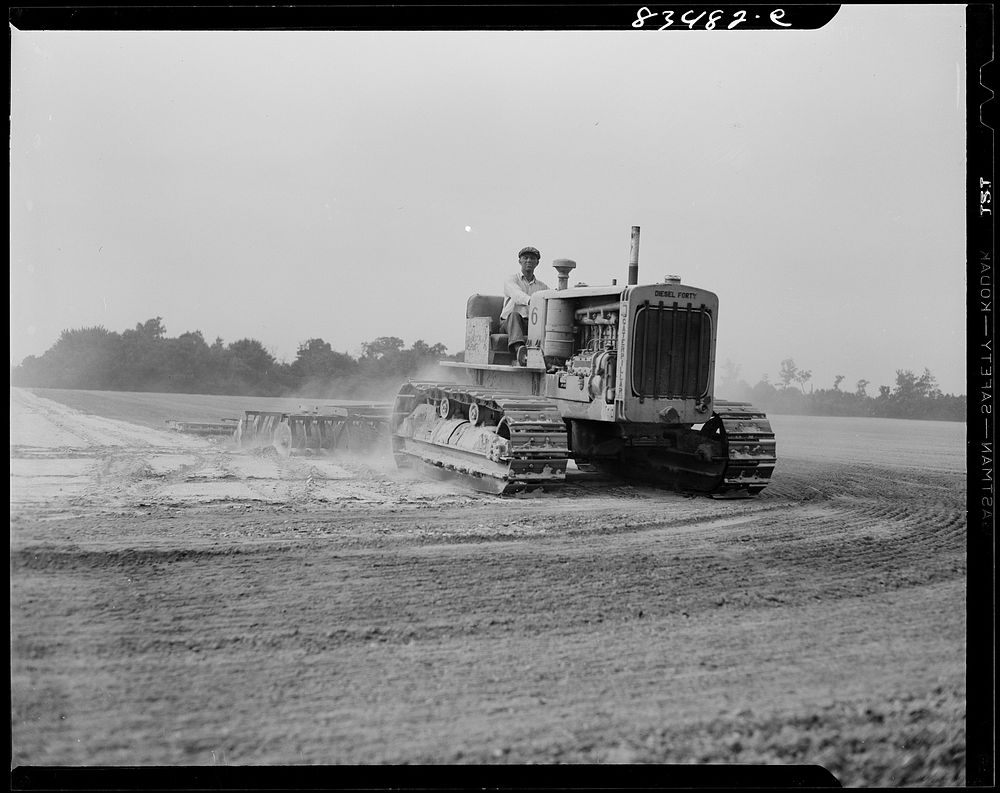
(671, 347)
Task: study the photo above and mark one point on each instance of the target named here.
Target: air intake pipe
(562, 267)
(633, 258)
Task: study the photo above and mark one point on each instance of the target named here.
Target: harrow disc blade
(283, 439)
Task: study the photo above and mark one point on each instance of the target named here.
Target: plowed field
(175, 601)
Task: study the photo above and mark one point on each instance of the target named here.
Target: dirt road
(175, 601)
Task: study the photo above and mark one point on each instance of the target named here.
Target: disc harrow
(352, 428)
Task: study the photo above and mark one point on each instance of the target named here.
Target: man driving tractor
(518, 289)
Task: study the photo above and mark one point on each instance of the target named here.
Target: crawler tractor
(619, 379)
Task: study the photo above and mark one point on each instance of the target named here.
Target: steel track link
(751, 450)
(537, 449)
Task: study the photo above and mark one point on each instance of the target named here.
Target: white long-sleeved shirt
(517, 291)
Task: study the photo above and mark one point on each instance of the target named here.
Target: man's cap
(529, 251)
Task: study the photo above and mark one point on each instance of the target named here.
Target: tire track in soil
(123, 454)
(868, 531)
(64, 419)
(137, 479)
(221, 469)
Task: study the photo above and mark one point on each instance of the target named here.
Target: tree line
(146, 359)
(912, 397)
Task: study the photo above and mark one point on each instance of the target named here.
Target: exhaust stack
(633, 258)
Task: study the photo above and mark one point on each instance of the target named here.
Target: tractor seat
(491, 306)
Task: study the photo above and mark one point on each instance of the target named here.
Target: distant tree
(143, 365)
(380, 347)
(317, 358)
(730, 372)
(729, 384)
(188, 363)
(251, 354)
(81, 358)
(28, 373)
(215, 379)
(763, 394)
(151, 328)
(422, 350)
(385, 362)
(789, 372)
(320, 370)
(923, 386)
(861, 388)
(251, 369)
(910, 396)
(837, 380)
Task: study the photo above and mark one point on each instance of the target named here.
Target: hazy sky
(290, 185)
